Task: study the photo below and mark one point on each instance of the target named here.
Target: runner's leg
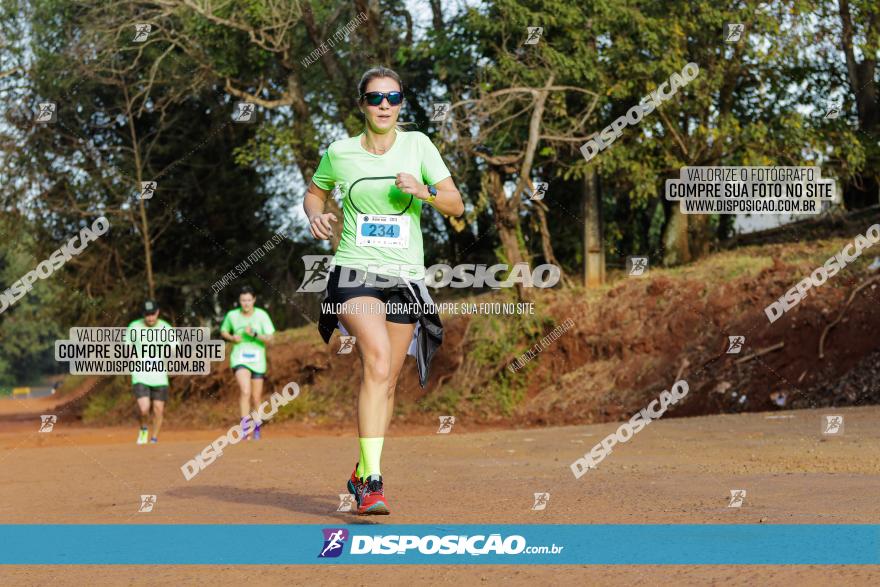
(400, 336)
(143, 404)
(257, 393)
(243, 376)
(158, 413)
(375, 351)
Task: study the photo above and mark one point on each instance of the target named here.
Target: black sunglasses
(375, 98)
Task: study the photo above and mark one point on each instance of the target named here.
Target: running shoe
(143, 436)
(257, 432)
(354, 484)
(154, 440)
(372, 501)
(246, 428)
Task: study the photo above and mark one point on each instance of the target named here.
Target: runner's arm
(229, 336)
(448, 201)
(313, 204)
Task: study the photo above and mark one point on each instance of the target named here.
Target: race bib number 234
(383, 231)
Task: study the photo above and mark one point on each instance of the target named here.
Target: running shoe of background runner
(372, 501)
(143, 436)
(246, 428)
(154, 440)
(257, 432)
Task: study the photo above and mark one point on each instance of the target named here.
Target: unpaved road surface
(674, 471)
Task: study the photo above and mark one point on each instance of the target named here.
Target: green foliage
(28, 327)
(226, 188)
(109, 399)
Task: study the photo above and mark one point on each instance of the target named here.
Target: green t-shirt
(151, 378)
(250, 352)
(367, 183)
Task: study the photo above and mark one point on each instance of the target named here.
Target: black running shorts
(391, 295)
(155, 393)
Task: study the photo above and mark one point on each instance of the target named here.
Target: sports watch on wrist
(433, 191)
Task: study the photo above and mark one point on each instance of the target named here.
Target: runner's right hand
(320, 225)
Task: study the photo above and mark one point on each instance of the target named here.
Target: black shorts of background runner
(254, 374)
(388, 295)
(155, 393)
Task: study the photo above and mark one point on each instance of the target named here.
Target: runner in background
(150, 387)
(250, 328)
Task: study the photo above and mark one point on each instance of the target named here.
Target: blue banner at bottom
(277, 544)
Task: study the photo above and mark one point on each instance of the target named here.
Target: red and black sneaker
(354, 485)
(372, 500)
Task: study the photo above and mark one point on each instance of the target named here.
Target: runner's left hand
(408, 184)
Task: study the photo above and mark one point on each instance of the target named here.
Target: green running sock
(371, 449)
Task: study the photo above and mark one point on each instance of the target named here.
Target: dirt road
(675, 471)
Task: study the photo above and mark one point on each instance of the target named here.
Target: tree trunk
(699, 235)
(594, 244)
(145, 226)
(507, 223)
(676, 249)
(862, 190)
(547, 244)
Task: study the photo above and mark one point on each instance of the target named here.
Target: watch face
(432, 190)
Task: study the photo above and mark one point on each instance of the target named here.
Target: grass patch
(105, 400)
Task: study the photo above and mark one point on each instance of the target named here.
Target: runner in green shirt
(386, 177)
(250, 328)
(150, 387)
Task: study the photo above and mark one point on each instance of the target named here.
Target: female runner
(386, 175)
